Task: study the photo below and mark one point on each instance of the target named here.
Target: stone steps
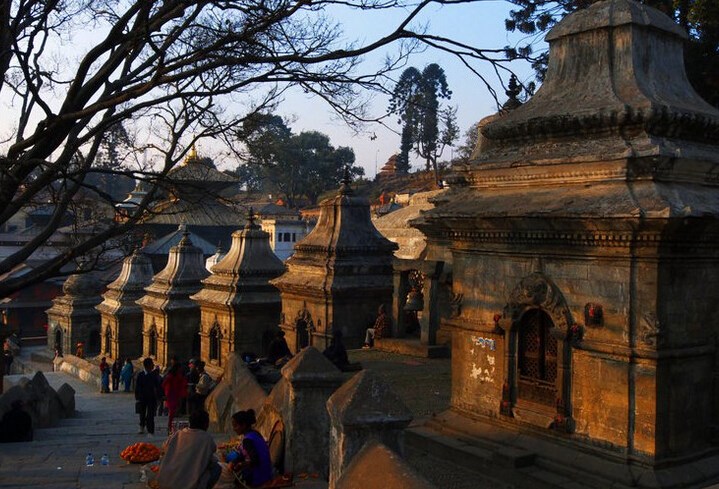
(510, 457)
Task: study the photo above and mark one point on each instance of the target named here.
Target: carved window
(215, 342)
(537, 359)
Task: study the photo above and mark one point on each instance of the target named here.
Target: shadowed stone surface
(379, 467)
(237, 391)
(240, 308)
(299, 401)
(584, 235)
(364, 408)
(40, 400)
(120, 314)
(338, 276)
(170, 318)
(73, 317)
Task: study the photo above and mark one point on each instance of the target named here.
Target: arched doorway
(152, 343)
(58, 341)
(215, 342)
(536, 359)
(538, 325)
(303, 334)
(108, 341)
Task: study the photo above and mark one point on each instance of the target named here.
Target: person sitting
(16, 424)
(278, 349)
(382, 328)
(336, 351)
(189, 459)
(254, 466)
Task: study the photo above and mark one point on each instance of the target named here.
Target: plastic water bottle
(89, 460)
(105, 460)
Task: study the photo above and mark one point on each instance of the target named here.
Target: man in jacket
(147, 393)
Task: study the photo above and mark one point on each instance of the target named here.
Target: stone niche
(584, 236)
(73, 318)
(121, 316)
(239, 307)
(338, 276)
(171, 320)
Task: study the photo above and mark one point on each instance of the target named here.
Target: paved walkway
(106, 423)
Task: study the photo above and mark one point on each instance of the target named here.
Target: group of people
(167, 394)
(190, 458)
(118, 372)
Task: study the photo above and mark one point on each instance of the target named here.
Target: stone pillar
(399, 299)
(429, 324)
(364, 408)
(310, 379)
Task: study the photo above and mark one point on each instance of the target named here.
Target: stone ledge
(411, 347)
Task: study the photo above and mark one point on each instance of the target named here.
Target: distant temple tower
(339, 275)
(585, 260)
(171, 323)
(121, 316)
(73, 319)
(239, 306)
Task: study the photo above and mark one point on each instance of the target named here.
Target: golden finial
(191, 155)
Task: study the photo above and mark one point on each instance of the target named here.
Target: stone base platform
(518, 458)
(412, 347)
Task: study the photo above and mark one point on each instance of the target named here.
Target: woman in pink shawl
(175, 387)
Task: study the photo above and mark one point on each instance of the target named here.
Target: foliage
(465, 150)
(297, 165)
(174, 71)
(416, 100)
(699, 18)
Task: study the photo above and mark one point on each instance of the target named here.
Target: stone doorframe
(537, 291)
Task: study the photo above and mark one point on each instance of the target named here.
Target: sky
(478, 24)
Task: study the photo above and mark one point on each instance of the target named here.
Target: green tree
(699, 18)
(175, 71)
(297, 165)
(426, 127)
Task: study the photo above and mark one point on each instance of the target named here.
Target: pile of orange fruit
(141, 453)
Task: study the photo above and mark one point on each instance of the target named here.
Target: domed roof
(83, 284)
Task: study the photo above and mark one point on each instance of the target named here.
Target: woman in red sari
(175, 387)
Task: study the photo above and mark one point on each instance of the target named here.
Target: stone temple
(338, 276)
(583, 236)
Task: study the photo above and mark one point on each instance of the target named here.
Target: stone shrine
(73, 319)
(239, 307)
(338, 276)
(171, 320)
(583, 237)
(121, 316)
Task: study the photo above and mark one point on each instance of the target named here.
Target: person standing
(104, 376)
(175, 387)
(115, 373)
(202, 389)
(126, 374)
(147, 392)
(193, 377)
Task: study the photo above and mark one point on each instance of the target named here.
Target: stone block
(66, 395)
(237, 391)
(364, 408)
(375, 465)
